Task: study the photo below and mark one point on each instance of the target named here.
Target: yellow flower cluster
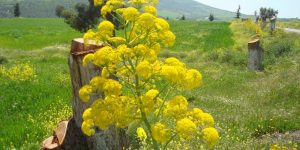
(142, 135)
(210, 136)
(176, 72)
(19, 72)
(252, 26)
(160, 133)
(130, 73)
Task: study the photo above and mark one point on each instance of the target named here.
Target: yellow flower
(148, 100)
(142, 135)
(150, 9)
(106, 27)
(172, 61)
(195, 115)
(117, 40)
(160, 133)
(87, 58)
(146, 21)
(130, 13)
(162, 24)
(87, 127)
(104, 72)
(112, 87)
(168, 38)
(207, 120)
(98, 2)
(210, 136)
(176, 107)
(186, 128)
(89, 35)
(84, 93)
(97, 83)
(144, 69)
(193, 79)
(106, 9)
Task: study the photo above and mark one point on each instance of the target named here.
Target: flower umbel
(133, 84)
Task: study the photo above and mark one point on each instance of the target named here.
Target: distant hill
(167, 8)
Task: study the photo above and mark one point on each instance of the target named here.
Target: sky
(286, 8)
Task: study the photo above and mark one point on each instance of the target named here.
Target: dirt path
(292, 30)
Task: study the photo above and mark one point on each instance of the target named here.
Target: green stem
(144, 117)
(168, 142)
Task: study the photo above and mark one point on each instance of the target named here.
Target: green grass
(28, 34)
(248, 107)
(192, 35)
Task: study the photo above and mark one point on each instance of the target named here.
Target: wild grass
(28, 34)
(250, 108)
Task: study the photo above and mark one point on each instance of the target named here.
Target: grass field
(251, 109)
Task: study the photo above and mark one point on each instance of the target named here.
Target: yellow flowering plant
(132, 77)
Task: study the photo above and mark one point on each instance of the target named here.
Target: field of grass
(251, 109)
(28, 34)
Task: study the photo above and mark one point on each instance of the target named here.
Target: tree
(211, 17)
(83, 16)
(238, 12)
(267, 13)
(59, 9)
(17, 10)
(182, 18)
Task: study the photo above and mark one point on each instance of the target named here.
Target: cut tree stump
(255, 56)
(111, 139)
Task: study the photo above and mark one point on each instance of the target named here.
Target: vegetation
(59, 10)
(84, 16)
(17, 10)
(267, 13)
(211, 17)
(46, 8)
(252, 108)
(238, 12)
(34, 33)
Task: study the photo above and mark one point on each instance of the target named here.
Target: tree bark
(255, 57)
(111, 139)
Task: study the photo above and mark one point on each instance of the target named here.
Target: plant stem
(144, 117)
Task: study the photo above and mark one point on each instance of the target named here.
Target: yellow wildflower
(160, 133)
(210, 136)
(142, 135)
(87, 58)
(130, 13)
(186, 128)
(84, 93)
(150, 9)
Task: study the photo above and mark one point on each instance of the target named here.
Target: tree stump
(255, 57)
(111, 139)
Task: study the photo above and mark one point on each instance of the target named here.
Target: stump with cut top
(111, 139)
(255, 56)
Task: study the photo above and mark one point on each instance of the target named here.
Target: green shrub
(236, 58)
(3, 60)
(277, 48)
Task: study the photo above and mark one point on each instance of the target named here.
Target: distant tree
(83, 16)
(211, 17)
(267, 13)
(58, 10)
(238, 12)
(167, 18)
(182, 18)
(17, 10)
(256, 17)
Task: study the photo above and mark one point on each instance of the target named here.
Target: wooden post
(255, 56)
(111, 139)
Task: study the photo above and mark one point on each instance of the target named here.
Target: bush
(3, 60)
(228, 56)
(277, 48)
